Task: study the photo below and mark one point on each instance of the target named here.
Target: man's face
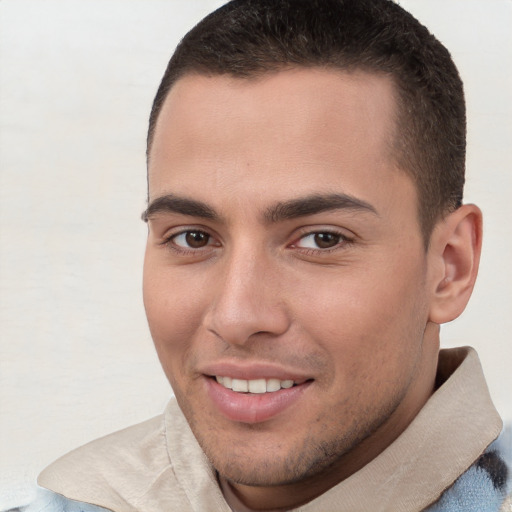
(284, 247)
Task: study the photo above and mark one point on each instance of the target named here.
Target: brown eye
(197, 239)
(192, 239)
(321, 240)
(326, 240)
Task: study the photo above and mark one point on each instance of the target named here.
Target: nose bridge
(247, 297)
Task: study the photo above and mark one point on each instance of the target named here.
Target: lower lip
(252, 407)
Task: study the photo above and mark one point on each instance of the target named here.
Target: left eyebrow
(318, 203)
(181, 205)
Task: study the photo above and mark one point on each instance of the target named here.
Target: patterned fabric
(486, 486)
(482, 488)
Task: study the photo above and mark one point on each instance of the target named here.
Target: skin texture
(261, 288)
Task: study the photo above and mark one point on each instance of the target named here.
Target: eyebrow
(318, 203)
(182, 205)
(295, 208)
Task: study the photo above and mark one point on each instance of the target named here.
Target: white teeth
(255, 385)
(273, 385)
(240, 385)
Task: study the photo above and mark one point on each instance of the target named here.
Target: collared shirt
(159, 466)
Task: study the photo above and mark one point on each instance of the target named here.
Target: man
(306, 239)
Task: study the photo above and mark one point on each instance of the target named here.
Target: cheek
(367, 321)
(173, 315)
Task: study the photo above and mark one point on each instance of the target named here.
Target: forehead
(298, 129)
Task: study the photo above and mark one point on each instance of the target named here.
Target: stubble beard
(308, 461)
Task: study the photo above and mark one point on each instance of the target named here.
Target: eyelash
(171, 244)
(344, 241)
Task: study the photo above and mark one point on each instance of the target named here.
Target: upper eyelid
(313, 230)
(192, 230)
(178, 230)
(342, 241)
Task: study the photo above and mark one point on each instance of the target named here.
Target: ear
(454, 252)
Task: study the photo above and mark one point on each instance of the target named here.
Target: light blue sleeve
(48, 501)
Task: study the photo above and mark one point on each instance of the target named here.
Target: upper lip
(253, 371)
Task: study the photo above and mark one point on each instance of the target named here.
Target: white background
(77, 80)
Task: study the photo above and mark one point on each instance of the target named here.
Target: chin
(265, 464)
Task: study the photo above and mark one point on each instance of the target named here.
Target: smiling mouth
(254, 400)
(256, 386)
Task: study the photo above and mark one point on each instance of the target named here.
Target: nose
(248, 300)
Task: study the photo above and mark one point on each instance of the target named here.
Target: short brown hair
(246, 38)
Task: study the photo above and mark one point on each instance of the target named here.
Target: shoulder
(117, 471)
(104, 457)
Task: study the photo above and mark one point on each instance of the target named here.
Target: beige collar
(453, 429)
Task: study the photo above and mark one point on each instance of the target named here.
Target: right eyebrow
(314, 204)
(181, 205)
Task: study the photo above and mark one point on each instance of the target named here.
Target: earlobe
(455, 244)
